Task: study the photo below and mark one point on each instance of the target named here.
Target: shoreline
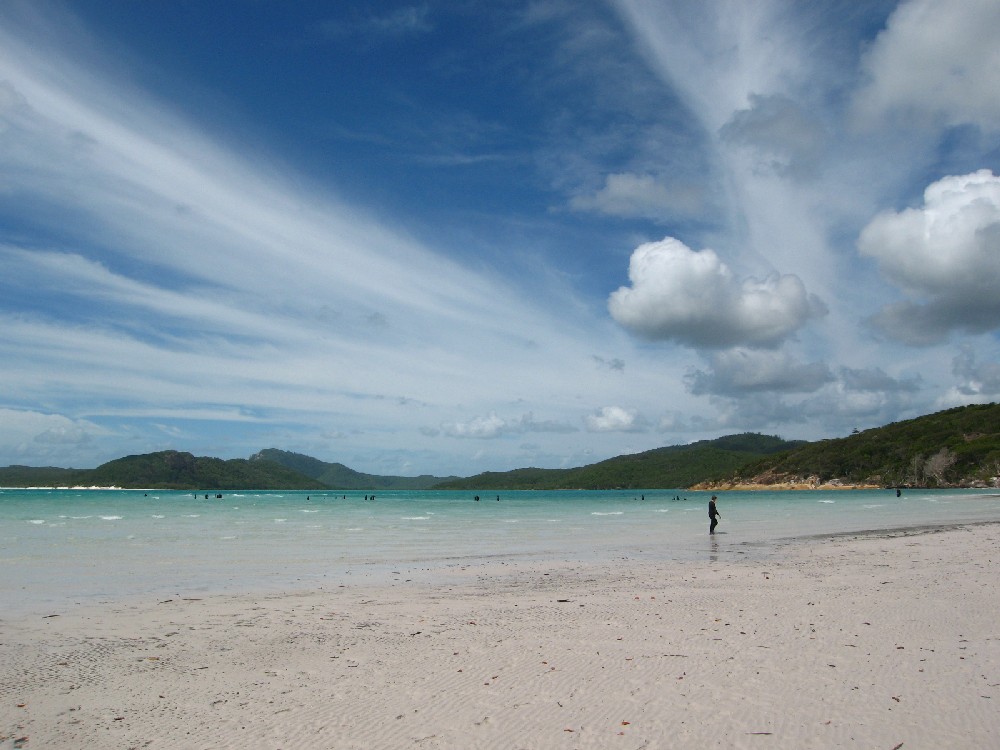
(782, 486)
(63, 487)
(886, 533)
(861, 640)
(833, 485)
(699, 487)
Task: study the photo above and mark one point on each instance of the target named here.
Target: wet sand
(870, 641)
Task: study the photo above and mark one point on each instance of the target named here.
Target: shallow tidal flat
(869, 641)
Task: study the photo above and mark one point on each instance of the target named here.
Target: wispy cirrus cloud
(197, 281)
(643, 196)
(407, 21)
(418, 227)
(976, 378)
(736, 372)
(493, 426)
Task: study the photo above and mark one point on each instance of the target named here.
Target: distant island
(957, 447)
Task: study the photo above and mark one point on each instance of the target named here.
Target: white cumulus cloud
(695, 299)
(936, 59)
(947, 253)
(615, 419)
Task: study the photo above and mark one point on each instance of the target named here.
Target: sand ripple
(866, 642)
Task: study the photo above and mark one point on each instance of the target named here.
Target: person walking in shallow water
(713, 515)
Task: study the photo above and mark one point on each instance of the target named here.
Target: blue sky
(451, 237)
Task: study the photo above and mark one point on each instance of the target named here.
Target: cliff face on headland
(954, 448)
(771, 481)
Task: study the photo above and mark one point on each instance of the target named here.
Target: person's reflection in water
(714, 554)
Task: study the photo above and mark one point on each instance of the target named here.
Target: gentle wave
(180, 550)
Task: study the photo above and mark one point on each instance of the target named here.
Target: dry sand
(866, 642)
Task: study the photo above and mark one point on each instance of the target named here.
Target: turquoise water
(61, 547)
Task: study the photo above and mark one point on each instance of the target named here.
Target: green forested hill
(40, 476)
(950, 448)
(958, 446)
(340, 477)
(183, 471)
(670, 468)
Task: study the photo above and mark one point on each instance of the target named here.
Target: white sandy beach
(867, 642)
